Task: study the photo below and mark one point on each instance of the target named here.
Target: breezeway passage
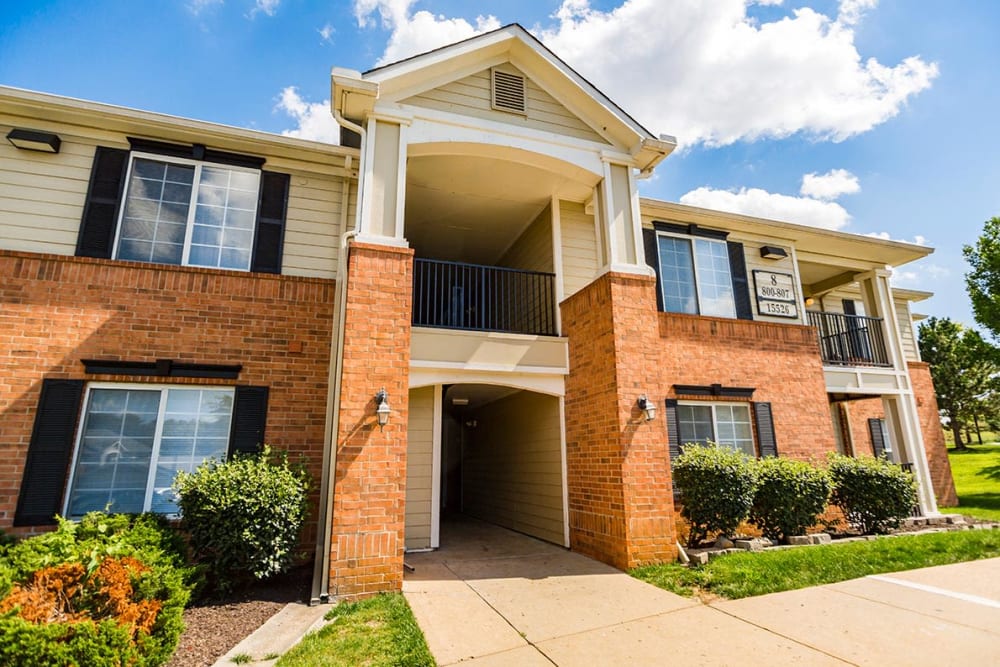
(494, 597)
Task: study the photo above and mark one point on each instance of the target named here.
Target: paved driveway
(493, 597)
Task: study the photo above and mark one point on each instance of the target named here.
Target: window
(695, 276)
(134, 438)
(187, 212)
(722, 423)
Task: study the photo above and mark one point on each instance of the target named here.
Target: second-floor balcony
(454, 295)
(850, 340)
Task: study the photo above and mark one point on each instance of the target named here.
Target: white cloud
(919, 275)
(326, 32)
(196, 7)
(313, 119)
(417, 32)
(830, 185)
(764, 204)
(703, 71)
(268, 7)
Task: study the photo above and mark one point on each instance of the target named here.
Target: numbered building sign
(775, 294)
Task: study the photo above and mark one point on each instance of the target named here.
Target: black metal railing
(453, 295)
(850, 340)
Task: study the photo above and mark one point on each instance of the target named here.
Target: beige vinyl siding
(419, 467)
(906, 334)
(512, 470)
(579, 247)
(532, 251)
(42, 198)
(471, 96)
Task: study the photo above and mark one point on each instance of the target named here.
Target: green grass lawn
(977, 480)
(748, 574)
(376, 632)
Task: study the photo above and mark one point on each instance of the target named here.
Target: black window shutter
(249, 416)
(653, 260)
(100, 211)
(878, 442)
(673, 429)
(765, 429)
(49, 453)
(271, 209)
(741, 286)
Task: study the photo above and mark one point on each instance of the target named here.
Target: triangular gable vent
(508, 92)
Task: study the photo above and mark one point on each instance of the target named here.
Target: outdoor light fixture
(382, 408)
(34, 140)
(772, 252)
(648, 407)
(810, 301)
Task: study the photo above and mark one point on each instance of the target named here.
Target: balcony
(472, 297)
(850, 340)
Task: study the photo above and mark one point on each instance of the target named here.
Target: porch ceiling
(471, 208)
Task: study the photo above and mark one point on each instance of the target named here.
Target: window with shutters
(133, 440)
(695, 276)
(725, 424)
(179, 211)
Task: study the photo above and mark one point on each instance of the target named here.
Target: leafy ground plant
(243, 515)
(874, 494)
(716, 487)
(747, 574)
(376, 632)
(977, 480)
(789, 497)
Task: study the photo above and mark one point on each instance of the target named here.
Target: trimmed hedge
(716, 486)
(874, 494)
(110, 590)
(789, 498)
(243, 515)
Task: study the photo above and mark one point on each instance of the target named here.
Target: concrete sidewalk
(492, 597)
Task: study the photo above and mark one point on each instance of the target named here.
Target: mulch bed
(214, 626)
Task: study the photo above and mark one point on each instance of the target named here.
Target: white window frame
(157, 435)
(715, 423)
(192, 204)
(695, 266)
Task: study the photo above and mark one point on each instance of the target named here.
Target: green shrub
(243, 516)
(716, 486)
(874, 494)
(109, 590)
(790, 495)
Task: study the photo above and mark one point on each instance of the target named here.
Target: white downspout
(321, 568)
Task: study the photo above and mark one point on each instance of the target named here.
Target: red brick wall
(930, 426)
(858, 414)
(370, 489)
(58, 310)
(780, 361)
(620, 500)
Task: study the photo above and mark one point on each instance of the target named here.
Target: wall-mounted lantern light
(648, 407)
(34, 140)
(772, 252)
(382, 409)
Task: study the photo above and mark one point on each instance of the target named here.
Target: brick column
(366, 552)
(930, 426)
(620, 499)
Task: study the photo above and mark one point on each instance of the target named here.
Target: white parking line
(975, 599)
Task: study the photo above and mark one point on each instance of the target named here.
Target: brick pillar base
(366, 553)
(620, 499)
(930, 426)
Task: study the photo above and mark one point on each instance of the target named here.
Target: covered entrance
(485, 451)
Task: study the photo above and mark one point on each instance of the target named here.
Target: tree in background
(964, 369)
(983, 281)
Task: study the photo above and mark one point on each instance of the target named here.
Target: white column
(382, 203)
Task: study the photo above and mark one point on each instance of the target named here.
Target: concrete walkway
(491, 597)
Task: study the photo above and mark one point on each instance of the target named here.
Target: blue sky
(891, 106)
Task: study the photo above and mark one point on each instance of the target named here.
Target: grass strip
(747, 574)
(977, 480)
(375, 632)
